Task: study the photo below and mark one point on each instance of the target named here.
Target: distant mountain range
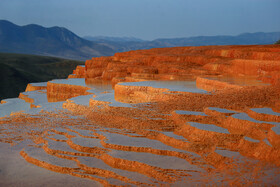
(259, 38)
(60, 42)
(112, 39)
(54, 41)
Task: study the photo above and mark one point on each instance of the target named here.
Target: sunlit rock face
(181, 116)
(35, 86)
(181, 62)
(79, 72)
(62, 90)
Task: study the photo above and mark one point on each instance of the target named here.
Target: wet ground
(96, 139)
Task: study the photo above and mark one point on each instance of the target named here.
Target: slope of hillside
(54, 41)
(16, 71)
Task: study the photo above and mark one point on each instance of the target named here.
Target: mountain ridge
(113, 39)
(53, 41)
(61, 42)
(257, 38)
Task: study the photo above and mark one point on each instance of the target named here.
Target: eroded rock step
(181, 133)
(91, 144)
(124, 155)
(57, 164)
(59, 148)
(55, 154)
(264, 114)
(107, 99)
(36, 86)
(41, 158)
(150, 91)
(91, 164)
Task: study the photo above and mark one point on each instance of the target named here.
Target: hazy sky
(147, 19)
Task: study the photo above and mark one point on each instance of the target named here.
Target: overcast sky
(147, 19)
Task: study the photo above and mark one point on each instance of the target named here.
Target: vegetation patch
(17, 70)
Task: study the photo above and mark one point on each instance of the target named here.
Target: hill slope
(54, 41)
(16, 71)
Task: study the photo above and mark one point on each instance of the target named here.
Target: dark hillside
(53, 41)
(17, 70)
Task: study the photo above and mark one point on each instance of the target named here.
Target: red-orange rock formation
(61, 92)
(264, 117)
(179, 63)
(218, 132)
(182, 62)
(3, 102)
(212, 85)
(28, 100)
(79, 72)
(34, 87)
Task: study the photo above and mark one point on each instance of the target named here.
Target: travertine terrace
(171, 116)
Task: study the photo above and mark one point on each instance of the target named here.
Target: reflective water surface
(93, 139)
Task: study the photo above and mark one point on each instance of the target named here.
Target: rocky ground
(170, 116)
